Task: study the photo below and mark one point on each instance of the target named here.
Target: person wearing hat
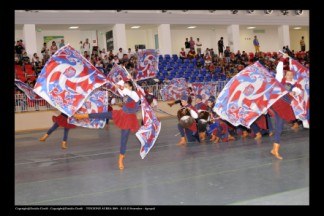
(125, 118)
(202, 124)
(191, 132)
(190, 93)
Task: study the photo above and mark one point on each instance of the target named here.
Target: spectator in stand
(22, 44)
(192, 43)
(19, 50)
(187, 45)
(21, 100)
(256, 44)
(34, 59)
(220, 44)
(25, 59)
(115, 60)
(46, 57)
(198, 44)
(191, 53)
(227, 54)
(130, 53)
(81, 48)
(53, 48)
(302, 44)
(62, 43)
(182, 54)
(86, 46)
(120, 54)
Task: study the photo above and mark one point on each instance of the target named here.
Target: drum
(184, 117)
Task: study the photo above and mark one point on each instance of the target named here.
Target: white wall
(19, 35)
(137, 36)
(268, 40)
(208, 38)
(295, 36)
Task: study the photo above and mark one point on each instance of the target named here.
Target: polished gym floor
(240, 172)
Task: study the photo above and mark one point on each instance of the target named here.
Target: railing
(23, 104)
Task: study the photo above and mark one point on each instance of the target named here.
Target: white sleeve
(193, 114)
(113, 101)
(279, 69)
(296, 90)
(154, 102)
(131, 94)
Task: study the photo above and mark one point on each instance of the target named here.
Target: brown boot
(258, 136)
(171, 103)
(275, 150)
(295, 126)
(182, 141)
(43, 138)
(245, 134)
(81, 116)
(121, 161)
(230, 137)
(213, 137)
(217, 139)
(202, 136)
(271, 134)
(64, 145)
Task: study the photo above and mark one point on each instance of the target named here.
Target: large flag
(248, 95)
(67, 79)
(301, 103)
(147, 65)
(174, 90)
(27, 90)
(116, 74)
(205, 90)
(149, 132)
(97, 102)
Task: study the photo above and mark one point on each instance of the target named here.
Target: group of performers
(201, 119)
(197, 123)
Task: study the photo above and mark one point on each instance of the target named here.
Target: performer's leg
(278, 130)
(123, 143)
(191, 136)
(182, 134)
(65, 137)
(202, 130)
(269, 124)
(256, 130)
(53, 128)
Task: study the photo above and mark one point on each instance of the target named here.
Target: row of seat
(24, 73)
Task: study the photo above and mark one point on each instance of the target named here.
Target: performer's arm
(193, 113)
(131, 94)
(296, 91)
(113, 101)
(154, 102)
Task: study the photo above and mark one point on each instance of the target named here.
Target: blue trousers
(279, 127)
(255, 128)
(55, 126)
(269, 123)
(124, 133)
(185, 131)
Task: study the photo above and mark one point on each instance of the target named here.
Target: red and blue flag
(248, 95)
(67, 79)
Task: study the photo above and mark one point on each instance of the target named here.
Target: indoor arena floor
(241, 172)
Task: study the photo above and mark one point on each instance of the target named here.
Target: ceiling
(156, 17)
(91, 27)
